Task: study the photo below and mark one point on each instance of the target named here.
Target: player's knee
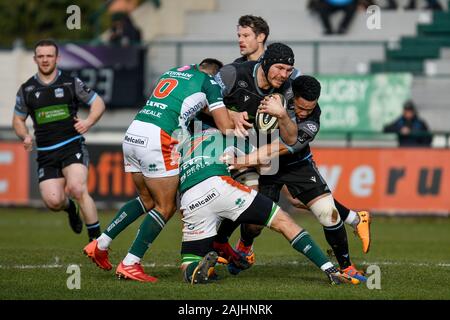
(54, 203)
(325, 211)
(284, 224)
(76, 190)
(166, 209)
(147, 201)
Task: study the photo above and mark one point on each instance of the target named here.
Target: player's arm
(222, 119)
(306, 133)
(273, 106)
(21, 130)
(260, 156)
(19, 121)
(91, 98)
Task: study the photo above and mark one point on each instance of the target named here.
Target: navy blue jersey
(52, 107)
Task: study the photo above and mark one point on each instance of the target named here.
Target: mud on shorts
(150, 150)
(51, 162)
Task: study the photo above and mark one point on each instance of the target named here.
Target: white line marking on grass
(300, 263)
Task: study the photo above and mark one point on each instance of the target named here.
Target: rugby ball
(266, 122)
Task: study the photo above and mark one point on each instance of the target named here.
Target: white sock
(326, 266)
(352, 219)
(131, 259)
(103, 242)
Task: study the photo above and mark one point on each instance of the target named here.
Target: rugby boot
(245, 252)
(355, 273)
(99, 257)
(337, 277)
(75, 221)
(203, 273)
(134, 272)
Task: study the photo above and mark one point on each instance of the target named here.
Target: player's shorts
(150, 150)
(303, 181)
(51, 162)
(219, 197)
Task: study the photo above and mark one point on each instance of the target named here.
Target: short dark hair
(46, 43)
(409, 105)
(257, 24)
(306, 87)
(211, 64)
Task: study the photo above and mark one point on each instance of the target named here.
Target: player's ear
(260, 38)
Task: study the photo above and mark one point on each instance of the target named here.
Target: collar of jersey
(47, 84)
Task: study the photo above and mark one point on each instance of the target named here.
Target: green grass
(36, 247)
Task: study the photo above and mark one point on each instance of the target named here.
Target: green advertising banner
(362, 102)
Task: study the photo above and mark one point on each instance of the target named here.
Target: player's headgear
(277, 53)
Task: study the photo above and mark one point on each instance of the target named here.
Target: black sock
(248, 234)
(93, 230)
(226, 228)
(343, 211)
(71, 208)
(337, 238)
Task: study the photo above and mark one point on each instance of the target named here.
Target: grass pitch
(37, 246)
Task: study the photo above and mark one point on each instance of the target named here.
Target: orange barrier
(14, 173)
(388, 180)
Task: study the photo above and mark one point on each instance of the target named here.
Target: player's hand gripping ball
(265, 121)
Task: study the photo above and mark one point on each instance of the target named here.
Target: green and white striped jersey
(179, 95)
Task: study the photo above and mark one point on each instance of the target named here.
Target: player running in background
(208, 194)
(51, 99)
(149, 149)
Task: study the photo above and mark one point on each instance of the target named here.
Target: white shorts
(206, 204)
(150, 150)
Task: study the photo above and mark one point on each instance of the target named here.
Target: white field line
(154, 265)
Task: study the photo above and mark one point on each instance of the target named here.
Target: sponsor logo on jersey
(151, 113)
(242, 84)
(155, 104)
(52, 113)
(135, 140)
(183, 75)
(312, 127)
(59, 93)
(204, 200)
(29, 88)
(189, 113)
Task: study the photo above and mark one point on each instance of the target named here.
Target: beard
(277, 83)
(49, 71)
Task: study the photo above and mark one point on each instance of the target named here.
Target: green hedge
(32, 20)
